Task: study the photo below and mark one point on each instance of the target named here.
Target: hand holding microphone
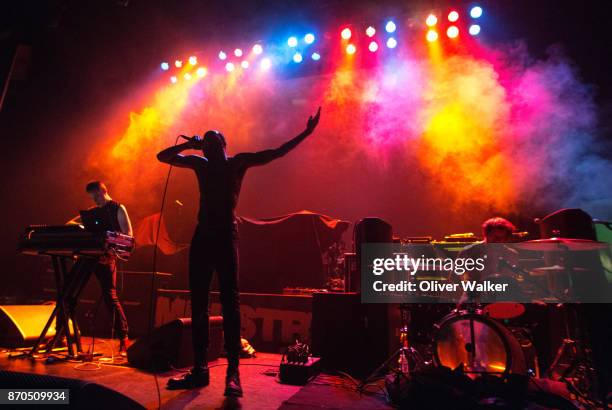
(194, 142)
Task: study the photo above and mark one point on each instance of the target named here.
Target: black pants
(214, 250)
(106, 272)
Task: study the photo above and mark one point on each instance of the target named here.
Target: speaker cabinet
(21, 325)
(170, 345)
(368, 230)
(351, 336)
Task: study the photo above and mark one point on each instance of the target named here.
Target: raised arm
(264, 157)
(173, 156)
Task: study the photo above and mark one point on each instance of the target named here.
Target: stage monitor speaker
(169, 345)
(83, 394)
(21, 325)
(568, 223)
(368, 230)
(351, 336)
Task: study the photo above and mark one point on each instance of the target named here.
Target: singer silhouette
(214, 243)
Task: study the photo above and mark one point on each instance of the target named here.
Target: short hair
(498, 223)
(95, 186)
(217, 135)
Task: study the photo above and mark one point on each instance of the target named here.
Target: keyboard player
(105, 268)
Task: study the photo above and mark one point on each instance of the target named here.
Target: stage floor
(259, 376)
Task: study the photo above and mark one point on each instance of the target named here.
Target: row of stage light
(297, 49)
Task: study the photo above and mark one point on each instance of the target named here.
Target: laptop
(95, 219)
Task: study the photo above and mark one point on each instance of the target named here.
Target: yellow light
(187, 76)
(346, 33)
(351, 49)
(432, 35)
(431, 20)
(201, 72)
(452, 32)
(193, 60)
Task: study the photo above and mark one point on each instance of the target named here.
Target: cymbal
(561, 245)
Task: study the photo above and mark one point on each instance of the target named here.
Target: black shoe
(191, 380)
(232, 384)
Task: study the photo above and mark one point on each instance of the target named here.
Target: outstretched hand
(313, 121)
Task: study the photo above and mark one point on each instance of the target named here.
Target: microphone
(185, 137)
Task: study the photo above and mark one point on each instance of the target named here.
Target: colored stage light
(373, 46)
(187, 76)
(297, 58)
(390, 27)
(431, 20)
(315, 56)
(173, 79)
(238, 52)
(165, 66)
(391, 43)
(257, 49)
(474, 29)
(266, 63)
(453, 16)
(346, 33)
(222, 55)
(432, 35)
(292, 41)
(178, 63)
(351, 49)
(370, 31)
(201, 72)
(244, 64)
(476, 12)
(309, 38)
(193, 60)
(230, 67)
(452, 32)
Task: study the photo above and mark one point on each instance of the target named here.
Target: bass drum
(480, 344)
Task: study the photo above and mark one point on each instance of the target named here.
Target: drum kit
(479, 340)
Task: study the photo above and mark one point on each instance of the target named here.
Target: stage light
(257, 49)
(351, 49)
(431, 20)
(391, 43)
(453, 16)
(297, 58)
(193, 60)
(432, 35)
(346, 33)
(201, 72)
(370, 31)
(390, 27)
(292, 41)
(244, 64)
(309, 38)
(165, 66)
(187, 76)
(173, 79)
(452, 32)
(238, 52)
(373, 46)
(315, 56)
(222, 55)
(266, 63)
(476, 12)
(178, 63)
(230, 67)
(474, 29)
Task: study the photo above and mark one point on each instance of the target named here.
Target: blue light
(165, 66)
(390, 27)
(309, 38)
(297, 58)
(292, 41)
(392, 43)
(316, 56)
(474, 29)
(476, 12)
